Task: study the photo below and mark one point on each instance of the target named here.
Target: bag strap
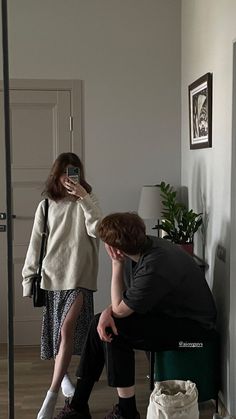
(44, 235)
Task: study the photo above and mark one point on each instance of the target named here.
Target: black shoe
(69, 413)
(117, 414)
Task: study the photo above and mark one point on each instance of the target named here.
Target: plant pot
(188, 247)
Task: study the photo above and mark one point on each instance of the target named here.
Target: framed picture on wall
(200, 112)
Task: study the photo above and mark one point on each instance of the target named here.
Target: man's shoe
(69, 413)
(117, 414)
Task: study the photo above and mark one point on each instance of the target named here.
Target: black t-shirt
(166, 280)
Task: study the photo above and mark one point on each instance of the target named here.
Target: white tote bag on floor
(173, 399)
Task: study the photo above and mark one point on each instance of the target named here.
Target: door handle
(3, 215)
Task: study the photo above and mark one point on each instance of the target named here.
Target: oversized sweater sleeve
(92, 213)
(32, 257)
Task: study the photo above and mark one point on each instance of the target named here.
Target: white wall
(127, 52)
(208, 31)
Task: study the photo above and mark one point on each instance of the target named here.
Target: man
(159, 297)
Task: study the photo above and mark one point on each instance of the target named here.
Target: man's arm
(119, 308)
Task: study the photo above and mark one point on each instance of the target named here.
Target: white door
(40, 130)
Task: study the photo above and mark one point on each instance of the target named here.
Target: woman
(69, 270)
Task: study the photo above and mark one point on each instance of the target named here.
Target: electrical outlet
(221, 252)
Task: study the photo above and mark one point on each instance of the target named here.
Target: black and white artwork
(200, 112)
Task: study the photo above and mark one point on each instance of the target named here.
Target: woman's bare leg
(63, 357)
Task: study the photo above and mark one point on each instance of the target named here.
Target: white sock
(48, 406)
(67, 387)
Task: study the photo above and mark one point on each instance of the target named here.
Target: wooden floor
(32, 379)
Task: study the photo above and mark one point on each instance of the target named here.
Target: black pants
(137, 331)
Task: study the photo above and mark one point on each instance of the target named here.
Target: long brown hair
(53, 187)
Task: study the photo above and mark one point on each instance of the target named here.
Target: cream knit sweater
(71, 258)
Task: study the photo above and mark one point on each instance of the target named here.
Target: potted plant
(179, 223)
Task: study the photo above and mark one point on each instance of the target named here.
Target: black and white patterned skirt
(57, 306)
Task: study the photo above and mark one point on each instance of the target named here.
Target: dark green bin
(198, 364)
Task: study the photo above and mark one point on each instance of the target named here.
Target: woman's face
(63, 178)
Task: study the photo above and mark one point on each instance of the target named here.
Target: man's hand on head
(115, 254)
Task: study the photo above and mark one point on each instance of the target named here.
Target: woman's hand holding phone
(74, 188)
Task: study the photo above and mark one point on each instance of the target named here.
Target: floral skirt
(58, 304)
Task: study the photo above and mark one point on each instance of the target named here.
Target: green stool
(200, 365)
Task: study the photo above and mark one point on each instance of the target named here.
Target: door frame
(232, 268)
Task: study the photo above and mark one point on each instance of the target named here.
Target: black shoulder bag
(39, 295)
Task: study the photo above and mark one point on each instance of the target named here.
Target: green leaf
(178, 222)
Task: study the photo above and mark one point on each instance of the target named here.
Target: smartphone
(73, 174)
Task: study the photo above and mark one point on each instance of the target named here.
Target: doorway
(45, 121)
